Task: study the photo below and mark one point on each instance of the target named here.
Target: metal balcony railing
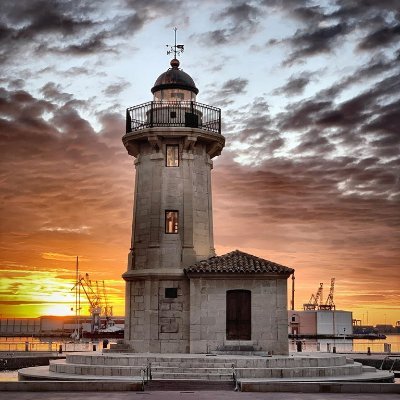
(173, 114)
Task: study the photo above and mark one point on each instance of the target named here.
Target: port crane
(329, 304)
(316, 300)
(97, 297)
(98, 301)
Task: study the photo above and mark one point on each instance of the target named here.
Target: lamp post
(385, 325)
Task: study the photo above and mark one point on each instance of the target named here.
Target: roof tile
(238, 262)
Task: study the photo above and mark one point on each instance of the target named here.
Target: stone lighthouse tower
(173, 139)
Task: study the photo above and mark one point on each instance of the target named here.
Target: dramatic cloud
(310, 105)
(324, 30)
(241, 20)
(295, 85)
(54, 148)
(73, 28)
(226, 93)
(116, 88)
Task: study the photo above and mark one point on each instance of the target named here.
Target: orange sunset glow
(309, 177)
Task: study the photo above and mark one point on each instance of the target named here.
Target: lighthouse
(173, 139)
(180, 296)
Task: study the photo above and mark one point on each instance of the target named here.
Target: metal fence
(344, 346)
(56, 346)
(173, 114)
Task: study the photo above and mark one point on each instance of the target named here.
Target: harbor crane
(98, 301)
(315, 299)
(329, 304)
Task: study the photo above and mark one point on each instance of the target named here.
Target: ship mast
(77, 299)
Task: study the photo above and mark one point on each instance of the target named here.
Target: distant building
(48, 325)
(321, 323)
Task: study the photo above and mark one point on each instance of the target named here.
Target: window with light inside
(172, 157)
(171, 221)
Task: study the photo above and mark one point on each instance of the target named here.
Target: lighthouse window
(172, 159)
(171, 293)
(171, 221)
(178, 96)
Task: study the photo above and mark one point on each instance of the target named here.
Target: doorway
(238, 314)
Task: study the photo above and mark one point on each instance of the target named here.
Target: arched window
(238, 315)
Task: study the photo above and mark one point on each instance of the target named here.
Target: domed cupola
(174, 85)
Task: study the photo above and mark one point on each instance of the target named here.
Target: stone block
(164, 306)
(171, 327)
(177, 306)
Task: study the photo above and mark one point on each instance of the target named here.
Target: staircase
(193, 372)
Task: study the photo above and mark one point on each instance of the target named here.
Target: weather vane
(177, 49)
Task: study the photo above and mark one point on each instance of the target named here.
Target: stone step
(266, 372)
(191, 376)
(98, 370)
(187, 385)
(197, 370)
(204, 361)
(192, 365)
(298, 372)
(258, 363)
(89, 359)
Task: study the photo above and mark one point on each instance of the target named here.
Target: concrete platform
(249, 373)
(118, 391)
(43, 373)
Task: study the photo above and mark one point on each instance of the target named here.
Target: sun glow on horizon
(57, 310)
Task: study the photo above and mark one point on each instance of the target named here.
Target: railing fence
(173, 114)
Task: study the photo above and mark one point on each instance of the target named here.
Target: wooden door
(238, 315)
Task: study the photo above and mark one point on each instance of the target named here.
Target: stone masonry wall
(208, 313)
(186, 189)
(158, 324)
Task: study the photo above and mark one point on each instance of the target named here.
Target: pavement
(202, 395)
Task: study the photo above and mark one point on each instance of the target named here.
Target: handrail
(173, 114)
(234, 377)
(396, 358)
(145, 374)
(149, 376)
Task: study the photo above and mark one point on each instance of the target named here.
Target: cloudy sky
(309, 178)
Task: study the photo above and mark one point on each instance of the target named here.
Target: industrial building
(320, 323)
(48, 325)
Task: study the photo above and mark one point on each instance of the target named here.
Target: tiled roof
(237, 262)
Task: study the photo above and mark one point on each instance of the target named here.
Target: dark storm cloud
(59, 165)
(51, 91)
(224, 95)
(241, 20)
(321, 40)
(234, 87)
(252, 125)
(93, 45)
(76, 28)
(75, 71)
(380, 38)
(379, 65)
(295, 85)
(370, 117)
(323, 28)
(116, 88)
(307, 192)
(141, 12)
(25, 24)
